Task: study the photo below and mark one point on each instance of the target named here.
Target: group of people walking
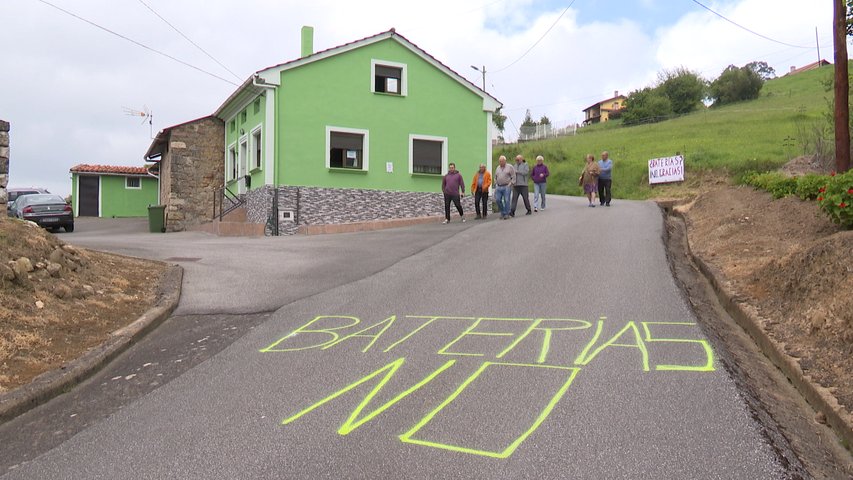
(511, 182)
(596, 178)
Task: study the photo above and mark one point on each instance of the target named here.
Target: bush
(777, 184)
(808, 186)
(835, 198)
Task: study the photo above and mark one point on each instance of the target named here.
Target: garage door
(88, 192)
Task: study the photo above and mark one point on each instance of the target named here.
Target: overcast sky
(65, 84)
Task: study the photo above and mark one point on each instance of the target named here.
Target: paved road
(438, 351)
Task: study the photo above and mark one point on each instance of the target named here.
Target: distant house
(811, 66)
(601, 111)
(355, 133)
(112, 191)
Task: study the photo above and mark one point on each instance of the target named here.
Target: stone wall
(192, 169)
(4, 164)
(324, 206)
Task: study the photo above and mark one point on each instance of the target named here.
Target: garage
(90, 186)
(112, 191)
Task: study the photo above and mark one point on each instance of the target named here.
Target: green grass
(757, 135)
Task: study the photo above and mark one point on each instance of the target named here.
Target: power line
(748, 30)
(137, 43)
(188, 39)
(540, 39)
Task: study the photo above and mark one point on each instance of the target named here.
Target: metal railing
(224, 202)
(271, 228)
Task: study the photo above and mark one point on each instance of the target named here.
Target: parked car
(47, 210)
(14, 193)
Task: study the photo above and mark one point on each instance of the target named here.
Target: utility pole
(817, 43)
(842, 114)
(483, 71)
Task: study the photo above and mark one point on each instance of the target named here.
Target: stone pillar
(4, 164)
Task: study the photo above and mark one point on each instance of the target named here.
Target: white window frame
(365, 147)
(257, 141)
(128, 187)
(230, 162)
(404, 80)
(432, 138)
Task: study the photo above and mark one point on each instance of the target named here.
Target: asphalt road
(550, 346)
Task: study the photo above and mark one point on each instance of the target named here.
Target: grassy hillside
(756, 135)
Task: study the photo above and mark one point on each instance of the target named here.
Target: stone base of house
(313, 210)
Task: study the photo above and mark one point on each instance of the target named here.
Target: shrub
(808, 186)
(774, 182)
(835, 198)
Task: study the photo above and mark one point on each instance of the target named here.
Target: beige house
(601, 111)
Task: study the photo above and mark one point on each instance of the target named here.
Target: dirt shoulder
(793, 266)
(57, 301)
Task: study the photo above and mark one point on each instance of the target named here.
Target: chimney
(307, 41)
(793, 68)
(615, 93)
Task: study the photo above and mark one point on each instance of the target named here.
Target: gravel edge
(56, 382)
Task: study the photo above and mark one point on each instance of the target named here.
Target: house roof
(109, 169)
(604, 101)
(270, 77)
(808, 67)
(158, 144)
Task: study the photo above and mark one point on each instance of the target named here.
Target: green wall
(118, 201)
(336, 91)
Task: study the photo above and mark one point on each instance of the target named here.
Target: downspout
(258, 81)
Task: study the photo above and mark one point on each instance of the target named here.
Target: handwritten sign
(486, 345)
(667, 169)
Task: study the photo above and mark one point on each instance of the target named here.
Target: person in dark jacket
(451, 184)
(520, 188)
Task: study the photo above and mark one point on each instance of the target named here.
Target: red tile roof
(109, 169)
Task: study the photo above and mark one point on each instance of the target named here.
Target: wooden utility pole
(842, 112)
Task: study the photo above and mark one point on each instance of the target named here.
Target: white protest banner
(667, 169)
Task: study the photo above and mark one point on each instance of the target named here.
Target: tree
(684, 89)
(766, 72)
(736, 85)
(544, 120)
(499, 119)
(646, 105)
(528, 120)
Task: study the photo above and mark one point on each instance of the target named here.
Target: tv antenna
(145, 113)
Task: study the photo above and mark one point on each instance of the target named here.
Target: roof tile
(112, 169)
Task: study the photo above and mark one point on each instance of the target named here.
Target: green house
(355, 133)
(112, 191)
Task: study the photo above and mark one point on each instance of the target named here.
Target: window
(256, 107)
(256, 145)
(243, 116)
(231, 164)
(232, 125)
(346, 148)
(427, 154)
(388, 77)
(132, 182)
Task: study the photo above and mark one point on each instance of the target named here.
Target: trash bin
(156, 218)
